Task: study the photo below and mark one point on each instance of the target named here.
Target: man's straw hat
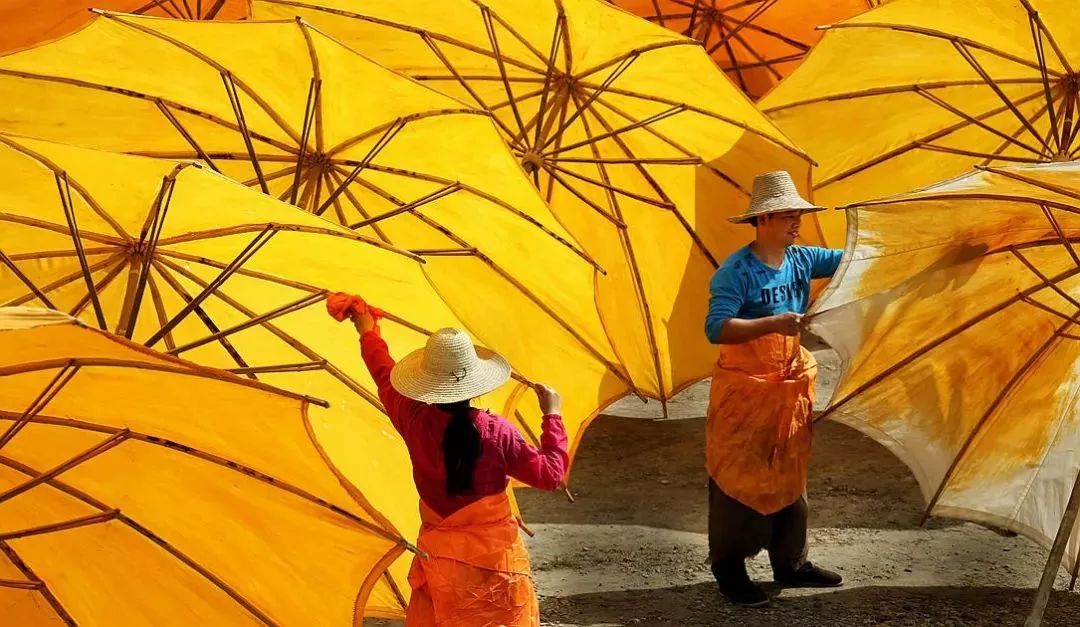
(774, 192)
(449, 369)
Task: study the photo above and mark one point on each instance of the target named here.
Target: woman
(476, 570)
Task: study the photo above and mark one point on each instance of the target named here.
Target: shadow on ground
(658, 466)
(900, 606)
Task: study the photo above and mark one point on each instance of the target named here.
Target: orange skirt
(476, 573)
(760, 420)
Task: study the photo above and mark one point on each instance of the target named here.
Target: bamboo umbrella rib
(49, 392)
(307, 366)
(288, 339)
(155, 224)
(105, 445)
(184, 449)
(188, 137)
(510, 29)
(159, 306)
(455, 75)
(899, 89)
(1002, 396)
(7, 261)
(141, 530)
(313, 89)
(337, 179)
(992, 84)
(272, 176)
(41, 587)
(938, 134)
(243, 257)
(158, 4)
(1036, 36)
(498, 56)
(98, 288)
(411, 207)
(553, 53)
(570, 187)
(73, 230)
(596, 93)
(623, 192)
(726, 43)
(636, 52)
(937, 34)
(1034, 17)
(623, 129)
(59, 254)
(635, 271)
(62, 229)
(1016, 134)
(285, 228)
(200, 312)
(82, 191)
(1060, 233)
(384, 140)
(236, 82)
(65, 280)
(974, 153)
(761, 61)
(795, 43)
(951, 333)
(289, 308)
(935, 99)
(74, 523)
(757, 12)
(1034, 183)
(139, 95)
(316, 74)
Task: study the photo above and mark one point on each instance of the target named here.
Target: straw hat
(775, 192)
(449, 369)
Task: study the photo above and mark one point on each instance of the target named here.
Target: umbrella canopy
(638, 143)
(955, 312)
(920, 90)
(314, 123)
(29, 22)
(756, 42)
(187, 261)
(139, 489)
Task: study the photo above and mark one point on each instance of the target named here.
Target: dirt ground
(631, 550)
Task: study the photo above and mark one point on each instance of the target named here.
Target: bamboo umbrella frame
(1054, 87)
(1062, 202)
(187, 9)
(326, 182)
(142, 360)
(546, 98)
(722, 28)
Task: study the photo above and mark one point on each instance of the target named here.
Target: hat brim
(746, 217)
(411, 379)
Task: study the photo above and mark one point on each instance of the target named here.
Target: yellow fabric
(756, 43)
(647, 202)
(441, 184)
(959, 355)
(887, 102)
(476, 571)
(214, 505)
(208, 221)
(759, 425)
(29, 22)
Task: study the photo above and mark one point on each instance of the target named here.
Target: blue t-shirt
(745, 287)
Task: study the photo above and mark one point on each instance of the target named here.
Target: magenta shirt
(504, 453)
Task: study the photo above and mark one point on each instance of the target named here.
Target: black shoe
(735, 585)
(808, 576)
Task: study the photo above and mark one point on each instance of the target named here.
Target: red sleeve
(379, 363)
(543, 468)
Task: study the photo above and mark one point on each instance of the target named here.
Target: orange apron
(476, 573)
(757, 437)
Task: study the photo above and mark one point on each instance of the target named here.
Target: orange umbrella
(756, 42)
(28, 22)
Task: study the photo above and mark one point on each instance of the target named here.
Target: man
(757, 437)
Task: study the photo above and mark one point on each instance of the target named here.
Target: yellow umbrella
(956, 312)
(294, 113)
(139, 489)
(185, 260)
(920, 90)
(756, 42)
(29, 22)
(636, 140)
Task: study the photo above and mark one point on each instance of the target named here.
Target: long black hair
(461, 447)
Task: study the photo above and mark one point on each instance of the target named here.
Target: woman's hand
(550, 402)
(364, 322)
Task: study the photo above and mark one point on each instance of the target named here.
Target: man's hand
(550, 402)
(790, 324)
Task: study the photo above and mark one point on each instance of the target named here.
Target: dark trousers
(737, 532)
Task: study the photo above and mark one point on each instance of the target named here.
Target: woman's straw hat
(774, 192)
(449, 369)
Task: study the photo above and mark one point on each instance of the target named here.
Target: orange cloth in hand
(343, 306)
